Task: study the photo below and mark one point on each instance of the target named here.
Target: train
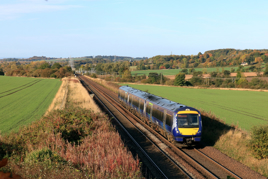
(177, 122)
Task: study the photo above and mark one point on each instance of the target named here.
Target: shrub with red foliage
(86, 143)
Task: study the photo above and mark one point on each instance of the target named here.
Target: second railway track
(172, 161)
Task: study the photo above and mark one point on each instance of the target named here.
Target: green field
(23, 100)
(245, 108)
(176, 71)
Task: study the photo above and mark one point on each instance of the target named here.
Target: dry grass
(80, 97)
(76, 93)
(61, 96)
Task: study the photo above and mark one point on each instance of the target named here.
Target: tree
(226, 73)
(127, 75)
(153, 77)
(167, 66)
(44, 65)
(266, 70)
(213, 74)
(1, 72)
(191, 70)
(185, 70)
(179, 79)
(56, 65)
(238, 75)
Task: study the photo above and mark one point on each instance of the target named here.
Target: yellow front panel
(188, 131)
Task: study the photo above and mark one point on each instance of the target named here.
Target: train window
(158, 114)
(169, 120)
(135, 102)
(141, 105)
(155, 113)
(161, 115)
(188, 120)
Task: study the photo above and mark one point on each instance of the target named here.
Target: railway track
(164, 156)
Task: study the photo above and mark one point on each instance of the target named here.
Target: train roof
(165, 103)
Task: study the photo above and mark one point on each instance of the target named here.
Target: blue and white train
(177, 122)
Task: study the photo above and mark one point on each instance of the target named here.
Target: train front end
(187, 126)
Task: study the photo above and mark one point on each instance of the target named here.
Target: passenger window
(141, 105)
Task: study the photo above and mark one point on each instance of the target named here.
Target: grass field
(23, 100)
(245, 108)
(176, 71)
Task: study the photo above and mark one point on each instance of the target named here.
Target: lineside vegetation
(247, 147)
(71, 142)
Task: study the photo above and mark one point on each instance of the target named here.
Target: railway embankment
(70, 142)
(227, 144)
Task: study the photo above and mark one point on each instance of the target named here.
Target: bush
(179, 79)
(144, 81)
(195, 80)
(259, 141)
(218, 82)
(53, 76)
(169, 82)
(45, 156)
(93, 75)
(242, 82)
(257, 83)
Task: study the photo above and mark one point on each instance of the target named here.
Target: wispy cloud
(11, 11)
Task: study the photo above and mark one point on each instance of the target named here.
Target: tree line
(217, 79)
(35, 69)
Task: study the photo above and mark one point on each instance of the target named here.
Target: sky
(136, 28)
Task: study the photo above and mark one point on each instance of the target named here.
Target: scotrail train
(177, 122)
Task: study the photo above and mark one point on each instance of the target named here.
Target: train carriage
(175, 121)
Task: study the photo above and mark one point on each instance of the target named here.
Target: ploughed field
(23, 100)
(242, 108)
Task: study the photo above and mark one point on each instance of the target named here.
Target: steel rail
(129, 135)
(164, 140)
(217, 163)
(189, 176)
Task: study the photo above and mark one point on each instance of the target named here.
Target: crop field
(245, 108)
(176, 71)
(23, 100)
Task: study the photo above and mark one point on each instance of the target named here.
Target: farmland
(176, 71)
(23, 100)
(245, 108)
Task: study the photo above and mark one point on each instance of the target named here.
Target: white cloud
(11, 11)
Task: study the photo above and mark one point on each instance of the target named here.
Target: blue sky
(137, 28)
